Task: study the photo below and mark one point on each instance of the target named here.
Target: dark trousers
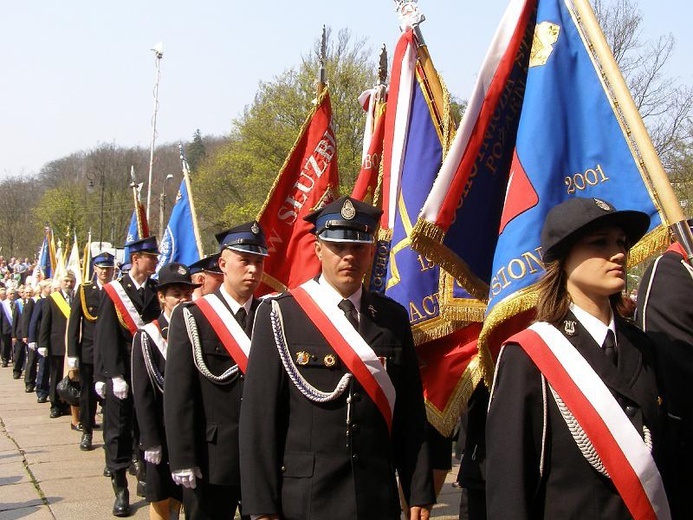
(6, 348)
(31, 367)
(42, 377)
(211, 502)
(19, 350)
(87, 397)
(117, 429)
(55, 375)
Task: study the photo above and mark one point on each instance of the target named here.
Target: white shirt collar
(334, 296)
(593, 325)
(232, 303)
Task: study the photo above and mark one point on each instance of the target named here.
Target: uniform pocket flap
(298, 465)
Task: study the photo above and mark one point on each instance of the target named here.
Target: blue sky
(79, 73)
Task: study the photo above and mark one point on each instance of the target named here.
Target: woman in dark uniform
(148, 366)
(574, 421)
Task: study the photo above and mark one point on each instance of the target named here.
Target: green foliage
(232, 184)
(195, 151)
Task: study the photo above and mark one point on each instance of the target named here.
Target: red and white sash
(123, 304)
(232, 336)
(154, 332)
(618, 444)
(351, 348)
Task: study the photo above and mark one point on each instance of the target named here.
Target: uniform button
(355, 427)
(355, 457)
(631, 410)
(356, 396)
(283, 469)
(242, 376)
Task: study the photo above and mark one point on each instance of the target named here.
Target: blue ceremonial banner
(178, 243)
(133, 234)
(548, 133)
(44, 258)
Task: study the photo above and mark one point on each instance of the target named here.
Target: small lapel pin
(372, 311)
(569, 327)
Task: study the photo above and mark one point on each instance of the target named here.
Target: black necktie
(350, 312)
(241, 317)
(609, 346)
(140, 291)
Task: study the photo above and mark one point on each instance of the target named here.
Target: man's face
(242, 273)
(143, 263)
(46, 290)
(103, 274)
(66, 284)
(344, 264)
(11, 294)
(3, 293)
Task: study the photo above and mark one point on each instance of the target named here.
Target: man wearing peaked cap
(333, 404)
(81, 349)
(207, 273)
(126, 304)
(202, 391)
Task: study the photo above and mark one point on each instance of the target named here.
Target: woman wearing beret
(574, 421)
(148, 365)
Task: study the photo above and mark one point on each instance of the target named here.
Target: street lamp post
(158, 54)
(162, 206)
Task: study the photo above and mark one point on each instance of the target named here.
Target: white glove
(120, 388)
(100, 389)
(32, 345)
(153, 455)
(43, 351)
(186, 477)
(72, 363)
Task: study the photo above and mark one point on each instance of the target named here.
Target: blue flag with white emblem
(178, 243)
(540, 128)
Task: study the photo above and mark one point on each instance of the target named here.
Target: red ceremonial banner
(308, 180)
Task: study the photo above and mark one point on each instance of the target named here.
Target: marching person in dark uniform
(80, 341)
(149, 352)
(574, 426)
(207, 274)
(30, 365)
(126, 305)
(665, 312)
(18, 334)
(51, 339)
(208, 349)
(42, 369)
(6, 309)
(333, 404)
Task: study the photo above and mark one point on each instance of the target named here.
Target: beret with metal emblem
(174, 274)
(568, 221)
(104, 259)
(246, 238)
(345, 220)
(208, 264)
(147, 245)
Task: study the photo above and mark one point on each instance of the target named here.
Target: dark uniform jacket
(115, 339)
(5, 322)
(81, 326)
(36, 319)
(149, 401)
(53, 326)
(301, 459)
(569, 486)
(18, 330)
(665, 313)
(27, 311)
(202, 415)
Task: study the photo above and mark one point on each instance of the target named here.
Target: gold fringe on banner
(445, 420)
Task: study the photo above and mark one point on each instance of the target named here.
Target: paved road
(45, 476)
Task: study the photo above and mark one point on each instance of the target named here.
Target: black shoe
(4, 364)
(77, 428)
(85, 444)
(41, 399)
(133, 468)
(141, 489)
(55, 412)
(16, 375)
(121, 506)
(29, 389)
(107, 472)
